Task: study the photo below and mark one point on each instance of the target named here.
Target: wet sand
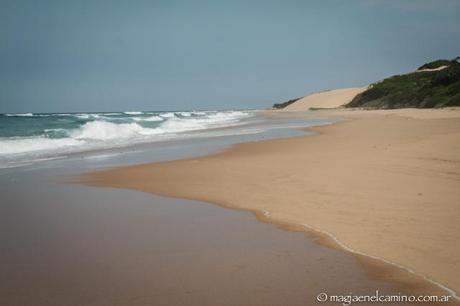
(75, 245)
(383, 184)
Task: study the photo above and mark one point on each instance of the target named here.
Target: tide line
(351, 250)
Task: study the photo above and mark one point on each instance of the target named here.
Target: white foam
(102, 130)
(20, 115)
(87, 116)
(100, 156)
(148, 119)
(26, 145)
(54, 115)
(133, 113)
(199, 113)
(82, 116)
(216, 119)
(56, 130)
(102, 133)
(167, 115)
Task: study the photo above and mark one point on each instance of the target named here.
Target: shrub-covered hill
(435, 64)
(422, 89)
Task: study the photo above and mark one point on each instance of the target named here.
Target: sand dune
(325, 99)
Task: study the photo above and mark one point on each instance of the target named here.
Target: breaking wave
(87, 131)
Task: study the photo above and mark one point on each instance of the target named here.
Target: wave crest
(20, 115)
(63, 137)
(103, 130)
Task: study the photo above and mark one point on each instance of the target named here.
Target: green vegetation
(435, 64)
(424, 89)
(284, 104)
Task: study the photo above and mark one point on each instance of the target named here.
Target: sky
(72, 56)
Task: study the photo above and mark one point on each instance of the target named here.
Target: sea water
(36, 136)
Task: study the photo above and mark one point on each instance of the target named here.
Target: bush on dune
(423, 89)
(435, 64)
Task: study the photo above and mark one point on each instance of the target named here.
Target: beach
(230, 153)
(383, 184)
(70, 244)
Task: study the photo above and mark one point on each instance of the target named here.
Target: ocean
(30, 137)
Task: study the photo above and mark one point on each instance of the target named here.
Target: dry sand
(386, 183)
(325, 99)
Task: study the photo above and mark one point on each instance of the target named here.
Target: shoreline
(111, 178)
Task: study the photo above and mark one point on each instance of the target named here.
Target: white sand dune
(325, 99)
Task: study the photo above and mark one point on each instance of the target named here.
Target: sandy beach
(383, 183)
(230, 153)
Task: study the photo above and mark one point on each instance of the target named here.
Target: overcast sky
(63, 56)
